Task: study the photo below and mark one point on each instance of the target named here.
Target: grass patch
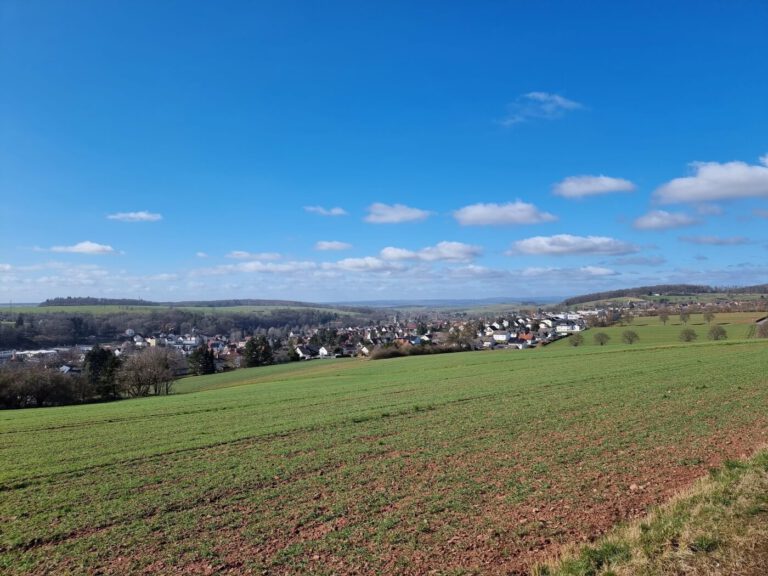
(718, 527)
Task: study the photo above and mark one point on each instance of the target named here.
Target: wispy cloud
(256, 266)
(326, 211)
(640, 261)
(566, 273)
(367, 264)
(201, 254)
(597, 271)
(243, 255)
(564, 244)
(662, 220)
(450, 251)
(538, 105)
(142, 216)
(86, 247)
(710, 210)
(332, 245)
(716, 240)
(580, 186)
(379, 213)
(517, 212)
(713, 181)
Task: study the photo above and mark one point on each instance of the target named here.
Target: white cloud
(201, 254)
(450, 251)
(326, 211)
(714, 181)
(456, 251)
(243, 255)
(715, 240)
(535, 105)
(563, 244)
(662, 220)
(86, 247)
(580, 186)
(5, 267)
(391, 253)
(332, 245)
(517, 212)
(367, 264)
(142, 216)
(272, 268)
(379, 213)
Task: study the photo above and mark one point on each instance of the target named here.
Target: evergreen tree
(257, 352)
(100, 371)
(201, 361)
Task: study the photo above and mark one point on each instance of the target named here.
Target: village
(511, 331)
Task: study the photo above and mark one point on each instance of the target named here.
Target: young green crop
(473, 461)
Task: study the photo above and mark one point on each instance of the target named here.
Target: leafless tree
(151, 371)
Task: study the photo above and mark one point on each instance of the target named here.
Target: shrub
(717, 333)
(688, 335)
(601, 338)
(629, 337)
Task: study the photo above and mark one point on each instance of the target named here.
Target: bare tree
(717, 333)
(576, 339)
(629, 337)
(688, 335)
(709, 316)
(664, 317)
(601, 338)
(152, 370)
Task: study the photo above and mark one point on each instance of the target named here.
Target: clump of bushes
(401, 351)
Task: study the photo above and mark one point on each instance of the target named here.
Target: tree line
(46, 329)
(104, 377)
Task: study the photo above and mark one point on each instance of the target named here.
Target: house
(364, 351)
(325, 352)
(306, 352)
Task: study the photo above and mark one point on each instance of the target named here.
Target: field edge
(718, 526)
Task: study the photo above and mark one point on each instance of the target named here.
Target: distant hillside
(665, 290)
(89, 301)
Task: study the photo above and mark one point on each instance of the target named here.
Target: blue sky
(328, 151)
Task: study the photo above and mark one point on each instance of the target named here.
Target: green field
(738, 325)
(474, 463)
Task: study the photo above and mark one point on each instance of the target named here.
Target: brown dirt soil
(570, 504)
(525, 534)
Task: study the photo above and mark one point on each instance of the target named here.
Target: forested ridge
(665, 290)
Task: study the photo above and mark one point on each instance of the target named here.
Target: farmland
(477, 463)
(651, 330)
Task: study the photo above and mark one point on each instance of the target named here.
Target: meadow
(651, 330)
(475, 463)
